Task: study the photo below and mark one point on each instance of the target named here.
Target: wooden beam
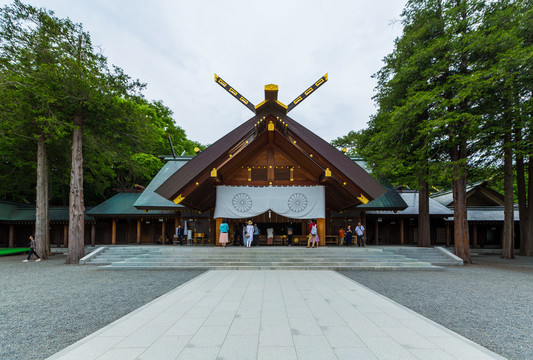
(474, 236)
(217, 229)
(447, 234)
(11, 235)
(65, 236)
(114, 232)
(93, 234)
(376, 236)
(270, 163)
(163, 232)
(321, 230)
(138, 231)
(401, 232)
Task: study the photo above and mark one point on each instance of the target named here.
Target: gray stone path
(273, 315)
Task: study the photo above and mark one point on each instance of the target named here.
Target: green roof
(13, 211)
(391, 200)
(123, 204)
(149, 199)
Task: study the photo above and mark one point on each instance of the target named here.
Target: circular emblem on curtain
(242, 202)
(297, 202)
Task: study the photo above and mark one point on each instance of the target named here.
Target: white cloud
(176, 47)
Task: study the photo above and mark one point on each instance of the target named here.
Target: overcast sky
(177, 46)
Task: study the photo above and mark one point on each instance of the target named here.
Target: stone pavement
(275, 315)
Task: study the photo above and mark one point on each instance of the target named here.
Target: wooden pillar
(376, 233)
(401, 232)
(217, 229)
(474, 236)
(163, 232)
(93, 234)
(447, 234)
(321, 230)
(138, 231)
(11, 235)
(65, 235)
(114, 232)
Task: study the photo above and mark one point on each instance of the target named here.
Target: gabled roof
(149, 199)
(445, 197)
(391, 200)
(487, 214)
(411, 199)
(122, 204)
(244, 135)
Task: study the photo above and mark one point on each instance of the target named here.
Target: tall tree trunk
(461, 236)
(41, 202)
(529, 241)
(522, 200)
(424, 233)
(47, 252)
(508, 222)
(76, 224)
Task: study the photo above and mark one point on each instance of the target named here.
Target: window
(282, 174)
(259, 174)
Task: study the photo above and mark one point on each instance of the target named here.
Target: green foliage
(458, 79)
(50, 72)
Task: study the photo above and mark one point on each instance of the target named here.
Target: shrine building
(274, 171)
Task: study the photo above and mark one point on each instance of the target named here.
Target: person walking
(360, 231)
(224, 228)
(249, 235)
(348, 236)
(32, 246)
(312, 234)
(341, 236)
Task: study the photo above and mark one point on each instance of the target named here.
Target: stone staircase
(435, 256)
(262, 258)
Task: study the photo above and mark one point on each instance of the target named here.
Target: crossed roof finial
(270, 88)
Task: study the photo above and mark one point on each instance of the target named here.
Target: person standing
(270, 236)
(312, 234)
(179, 234)
(290, 232)
(243, 231)
(249, 235)
(348, 236)
(236, 230)
(224, 228)
(341, 236)
(32, 246)
(360, 231)
(257, 232)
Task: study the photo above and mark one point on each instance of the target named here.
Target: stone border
(84, 260)
(454, 257)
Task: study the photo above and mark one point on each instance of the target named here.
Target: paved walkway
(275, 315)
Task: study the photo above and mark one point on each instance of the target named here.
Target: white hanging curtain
(296, 202)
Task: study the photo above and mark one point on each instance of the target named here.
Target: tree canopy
(48, 72)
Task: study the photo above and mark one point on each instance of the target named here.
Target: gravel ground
(46, 306)
(490, 302)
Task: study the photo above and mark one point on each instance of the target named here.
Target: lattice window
(282, 174)
(259, 174)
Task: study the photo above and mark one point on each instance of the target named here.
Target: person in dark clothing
(32, 246)
(289, 235)
(179, 234)
(348, 236)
